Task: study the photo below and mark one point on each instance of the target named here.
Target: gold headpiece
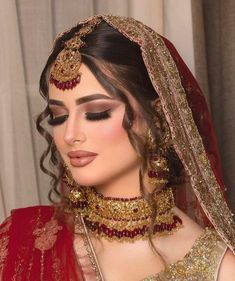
(65, 72)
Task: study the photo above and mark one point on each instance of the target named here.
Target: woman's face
(88, 132)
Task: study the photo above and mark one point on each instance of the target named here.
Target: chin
(87, 180)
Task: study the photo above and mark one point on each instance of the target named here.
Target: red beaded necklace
(125, 219)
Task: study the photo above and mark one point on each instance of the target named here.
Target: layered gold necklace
(125, 219)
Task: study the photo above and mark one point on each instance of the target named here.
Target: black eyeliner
(96, 116)
(57, 120)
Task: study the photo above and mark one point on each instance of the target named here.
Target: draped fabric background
(202, 31)
(214, 42)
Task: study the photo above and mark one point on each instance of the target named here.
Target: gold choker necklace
(124, 219)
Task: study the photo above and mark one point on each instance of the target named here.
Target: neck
(125, 186)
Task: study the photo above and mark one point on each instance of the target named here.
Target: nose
(73, 132)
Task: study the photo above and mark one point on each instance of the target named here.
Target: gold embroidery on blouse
(80, 229)
(200, 263)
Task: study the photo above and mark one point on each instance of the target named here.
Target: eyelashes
(90, 116)
(98, 115)
(57, 120)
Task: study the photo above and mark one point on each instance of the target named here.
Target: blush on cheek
(111, 131)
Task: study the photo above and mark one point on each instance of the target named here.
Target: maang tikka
(158, 171)
(65, 72)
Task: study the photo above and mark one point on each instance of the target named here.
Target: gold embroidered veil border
(186, 138)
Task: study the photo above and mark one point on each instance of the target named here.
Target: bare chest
(127, 261)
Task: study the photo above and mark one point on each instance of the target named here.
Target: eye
(53, 121)
(96, 116)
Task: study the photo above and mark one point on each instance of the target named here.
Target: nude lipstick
(81, 158)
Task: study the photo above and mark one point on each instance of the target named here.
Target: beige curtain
(27, 29)
(18, 178)
(214, 41)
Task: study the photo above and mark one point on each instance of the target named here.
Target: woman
(130, 128)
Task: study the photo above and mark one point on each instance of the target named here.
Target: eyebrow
(82, 99)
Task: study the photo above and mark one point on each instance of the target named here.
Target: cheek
(114, 132)
(58, 136)
(110, 131)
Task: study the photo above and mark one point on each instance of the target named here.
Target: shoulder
(24, 224)
(30, 227)
(33, 211)
(27, 234)
(30, 218)
(227, 268)
(206, 243)
(23, 220)
(181, 241)
(29, 212)
(24, 217)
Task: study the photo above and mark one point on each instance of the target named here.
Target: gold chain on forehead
(65, 73)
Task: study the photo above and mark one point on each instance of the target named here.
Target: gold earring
(76, 198)
(158, 170)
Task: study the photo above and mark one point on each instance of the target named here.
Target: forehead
(87, 85)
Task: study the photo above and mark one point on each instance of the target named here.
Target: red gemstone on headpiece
(68, 85)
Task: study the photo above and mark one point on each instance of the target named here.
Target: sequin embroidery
(200, 263)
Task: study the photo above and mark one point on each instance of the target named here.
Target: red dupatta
(202, 118)
(35, 246)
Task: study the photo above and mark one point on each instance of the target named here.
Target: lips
(81, 158)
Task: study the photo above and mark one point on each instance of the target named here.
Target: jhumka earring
(158, 170)
(76, 197)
